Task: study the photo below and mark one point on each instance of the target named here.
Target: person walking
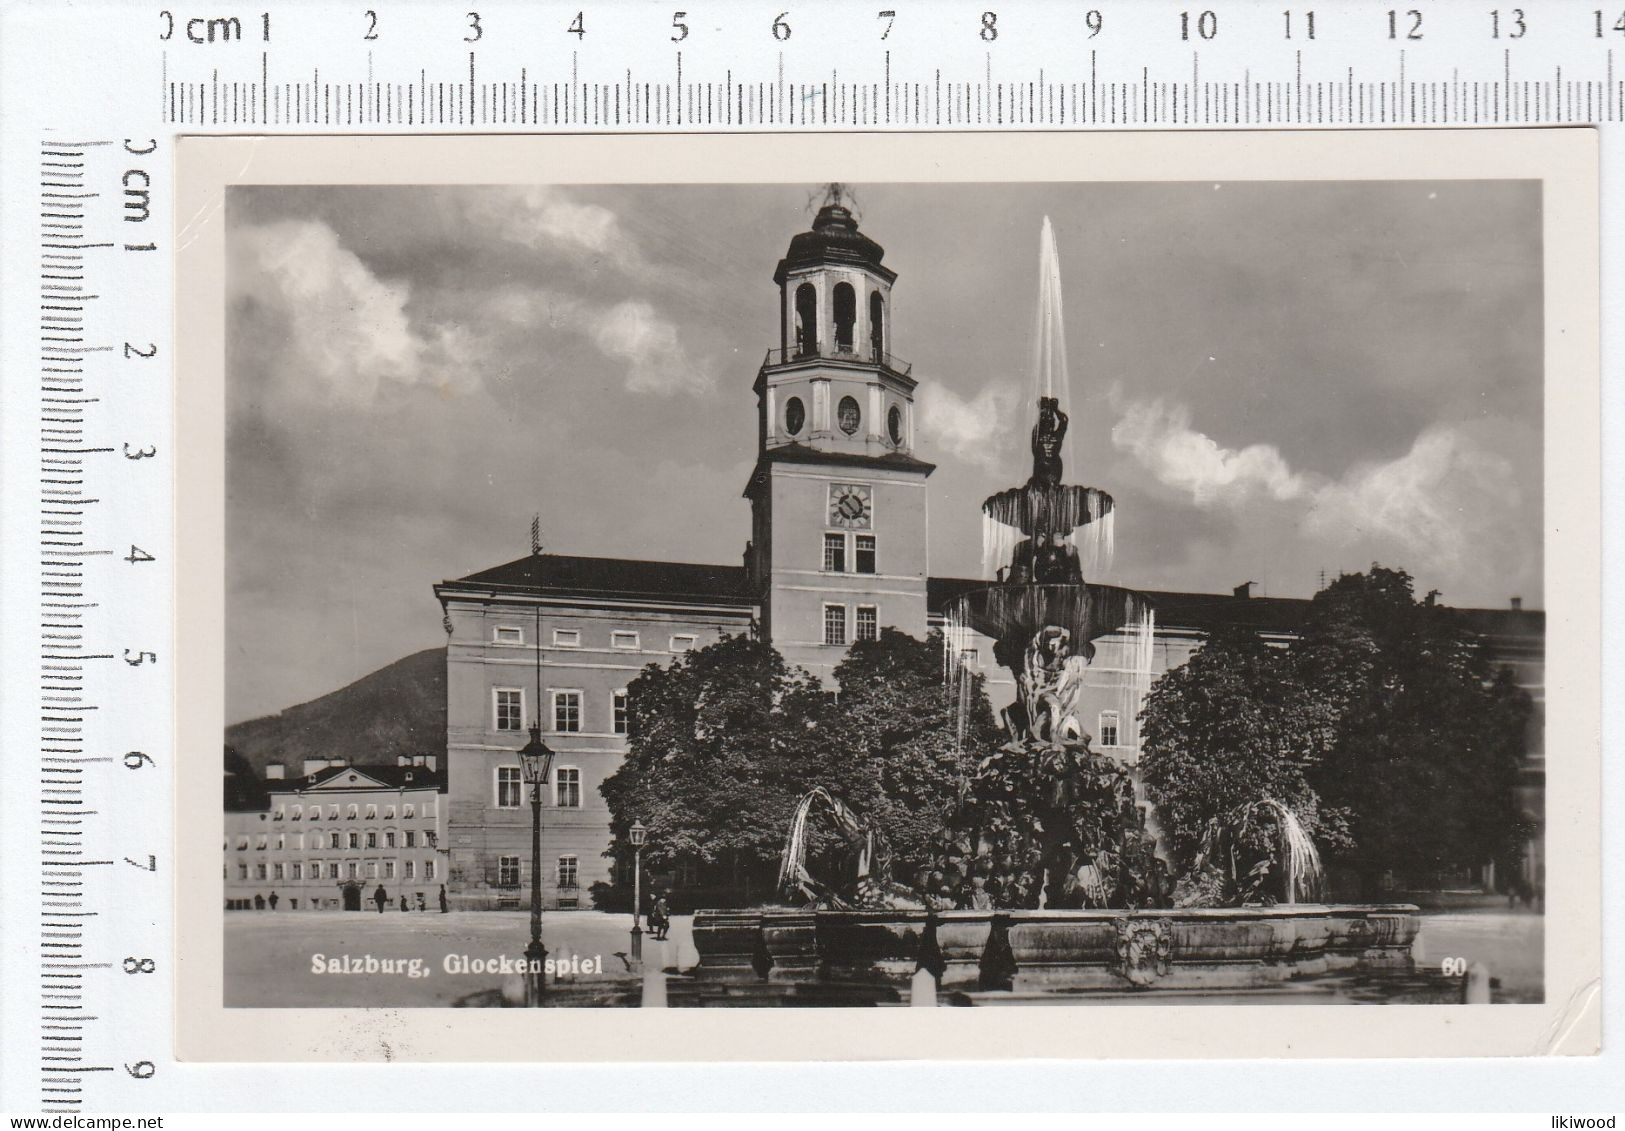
(660, 917)
(272, 901)
(404, 906)
(259, 902)
(443, 905)
(380, 897)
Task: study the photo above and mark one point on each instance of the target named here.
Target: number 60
(1453, 967)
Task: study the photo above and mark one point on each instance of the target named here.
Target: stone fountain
(1049, 879)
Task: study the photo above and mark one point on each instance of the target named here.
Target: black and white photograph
(854, 593)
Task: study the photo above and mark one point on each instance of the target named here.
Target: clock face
(850, 505)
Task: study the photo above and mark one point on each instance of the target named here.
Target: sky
(1274, 379)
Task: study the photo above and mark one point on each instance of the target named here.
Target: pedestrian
(259, 902)
(443, 905)
(660, 917)
(403, 902)
(273, 901)
(380, 897)
(421, 907)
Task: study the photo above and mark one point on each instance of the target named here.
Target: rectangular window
(389, 838)
(242, 871)
(618, 713)
(835, 553)
(1108, 728)
(682, 643)
(281, 812)
(332, 812)
(372, 812)
(508, 872)
(259, 842)
(406, 811)
(409, 869)
(333, 840)
(510, 781)
(372, 869)
(353, 840)
(276, 871)
(389, 869)
(372, 839)
(865, 553)
(567, 871)
(428, 869)
(352, 813)
(297, 869)
(834, 624)
(566, 638)
(281, 843)
(567, 788)
(242, 843)
(412, 837)
(389, 812)
(510, 706)
(354, 869)
(298, 813)
(333, 870)
(970, 658)
(507, 634)
(623, 639)
(259, 871)
(868, 622)
(567, 711)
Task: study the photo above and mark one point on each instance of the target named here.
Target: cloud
(632, 333)
(328, 326)
(1443, 504)
(1162, 439)
(546, 216)
(1442, 500)
(975, 429)
(656, 362)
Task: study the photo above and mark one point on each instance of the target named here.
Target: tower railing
(824, 351)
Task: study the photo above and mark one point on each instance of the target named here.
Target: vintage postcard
(1150, 575)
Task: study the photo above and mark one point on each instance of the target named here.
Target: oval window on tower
(795, 415)
(894, 424)
(847, 414)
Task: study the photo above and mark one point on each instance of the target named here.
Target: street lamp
(638, 834)
(537, 760)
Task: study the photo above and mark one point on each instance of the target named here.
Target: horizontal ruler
(846, 65)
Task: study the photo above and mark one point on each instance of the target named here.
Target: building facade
(837, 551)
(327, 840)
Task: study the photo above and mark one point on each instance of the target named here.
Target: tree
(715, 746)
(724, 742)
(1233, 725)
(1429, 736)
(893, 743)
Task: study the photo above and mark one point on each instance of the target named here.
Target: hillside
(398, 709)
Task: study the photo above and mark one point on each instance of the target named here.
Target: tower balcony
(839, 353)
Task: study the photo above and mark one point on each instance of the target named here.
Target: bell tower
(838, 547)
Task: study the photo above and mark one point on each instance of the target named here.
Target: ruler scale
(95, 94)
(1056, 97)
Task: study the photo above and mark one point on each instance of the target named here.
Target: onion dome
(834, 240)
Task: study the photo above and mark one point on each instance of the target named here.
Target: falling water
(1139, 644)
(1299, 858)
(1049, 327)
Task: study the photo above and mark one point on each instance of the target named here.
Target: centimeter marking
(1052, 98)
(65, 256)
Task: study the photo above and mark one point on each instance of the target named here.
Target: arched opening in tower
(806, 320)
(846, 316)
(877, 326)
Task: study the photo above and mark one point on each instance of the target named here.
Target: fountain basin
(1016, 612)
(1027, 951)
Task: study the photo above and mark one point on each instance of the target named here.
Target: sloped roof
(1205, 611)
(386, 775)
(614, 577)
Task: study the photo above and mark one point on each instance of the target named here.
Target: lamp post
(638, 834)
(537, 760)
